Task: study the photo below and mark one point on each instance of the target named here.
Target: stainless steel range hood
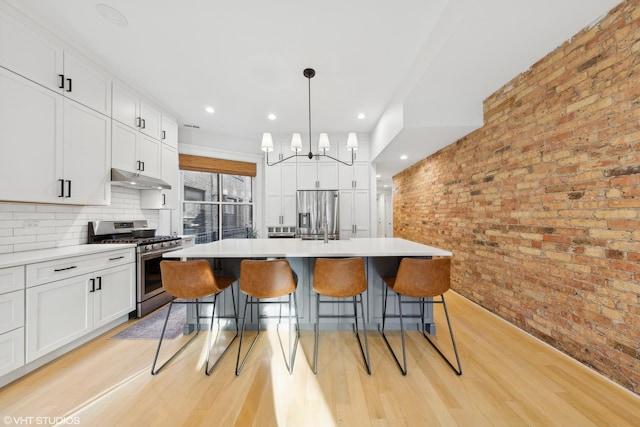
(135, 180)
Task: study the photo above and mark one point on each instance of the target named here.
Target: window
(217, 205)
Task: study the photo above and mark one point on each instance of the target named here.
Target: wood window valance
(209, 164)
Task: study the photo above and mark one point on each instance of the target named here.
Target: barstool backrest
(339, 277)
(266, 278)
(423, 278)
(188, 279)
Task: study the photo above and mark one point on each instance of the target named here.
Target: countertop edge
(41, 255)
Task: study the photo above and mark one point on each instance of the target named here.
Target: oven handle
(158, 253)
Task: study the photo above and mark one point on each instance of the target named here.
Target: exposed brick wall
(541, 206)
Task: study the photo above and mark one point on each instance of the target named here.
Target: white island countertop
(298, 248)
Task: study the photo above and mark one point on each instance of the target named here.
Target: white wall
(28, 226)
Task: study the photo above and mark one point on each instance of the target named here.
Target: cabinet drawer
(11, 311)
(49, 271)
(11, 351)
(11, 279)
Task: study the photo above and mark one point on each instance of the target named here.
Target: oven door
(150, 281)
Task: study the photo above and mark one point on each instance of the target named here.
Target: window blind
(212, 165)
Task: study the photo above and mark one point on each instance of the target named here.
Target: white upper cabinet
(38, 58)
(29, 53)
(87, 145)
(86, 83)
(135, 152)
(169, 131)
(31, 131)
(131, 110)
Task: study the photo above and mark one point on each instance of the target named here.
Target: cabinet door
(125, 106)
(169, 132)
(149, 153)
(307, 175)
(87, 146)
(11, 311)
(274, 209)
(31, 119)
(171, 175)
(11, 351)
(328, 175)
(151, 120)
(123, 147)
(114, 294)
(361, 213)
(164, 199)
(87, 84)
(57, 314)
(361, 175)
(346, 214)
(289, 194)
(29, 54)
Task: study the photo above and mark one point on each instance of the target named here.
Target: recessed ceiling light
(385, 186)
(404, 157)
(210, 110)
(378, 176)
(271, 116)
(112, 15)
(361, 116)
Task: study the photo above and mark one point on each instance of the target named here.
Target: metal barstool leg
(239, 365)
(154, 371)
(364, 331)
(317, 327)
(207, 369)
(457, 370)
(403, 369)
(292, 351)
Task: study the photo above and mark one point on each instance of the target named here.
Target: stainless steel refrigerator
(314, 208)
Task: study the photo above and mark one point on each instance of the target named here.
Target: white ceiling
(418, 69)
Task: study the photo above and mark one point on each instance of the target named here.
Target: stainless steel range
(149, 294)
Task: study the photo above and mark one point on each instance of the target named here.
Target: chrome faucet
(326, 232)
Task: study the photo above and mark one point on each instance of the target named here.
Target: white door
(87, 84)
(114, 294)
(307, 175)
(57, 313)
(149, 154)
(31, 119)
(345, 209)
(169, 132)
(380, 215)
(87, 145)
(361, 213)
(125, 106)
(123, 147)
(151, 121)
(328, 176)
(30, 54)
(171, 175)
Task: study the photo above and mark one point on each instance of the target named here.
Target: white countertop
(40, 255)
(298, 248)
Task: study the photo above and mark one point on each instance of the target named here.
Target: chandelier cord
(310, 150)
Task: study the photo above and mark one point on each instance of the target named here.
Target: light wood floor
(509, 379)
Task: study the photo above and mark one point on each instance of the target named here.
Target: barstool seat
(193, 280)
(268, 279)
(422, 279)
(341, 278)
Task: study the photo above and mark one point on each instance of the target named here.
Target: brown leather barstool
(268, 279)
(193, 280)
(422, 279)
(341, 278)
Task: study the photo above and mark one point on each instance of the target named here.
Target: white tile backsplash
(29, 226)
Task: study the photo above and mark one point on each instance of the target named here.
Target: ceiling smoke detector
(112, 15)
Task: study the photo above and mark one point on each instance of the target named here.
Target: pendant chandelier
(296, 139)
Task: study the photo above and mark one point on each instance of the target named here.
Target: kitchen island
(381, 256)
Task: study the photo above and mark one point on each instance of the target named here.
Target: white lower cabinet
(59, 312)
(11, 319)
(11, 350)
